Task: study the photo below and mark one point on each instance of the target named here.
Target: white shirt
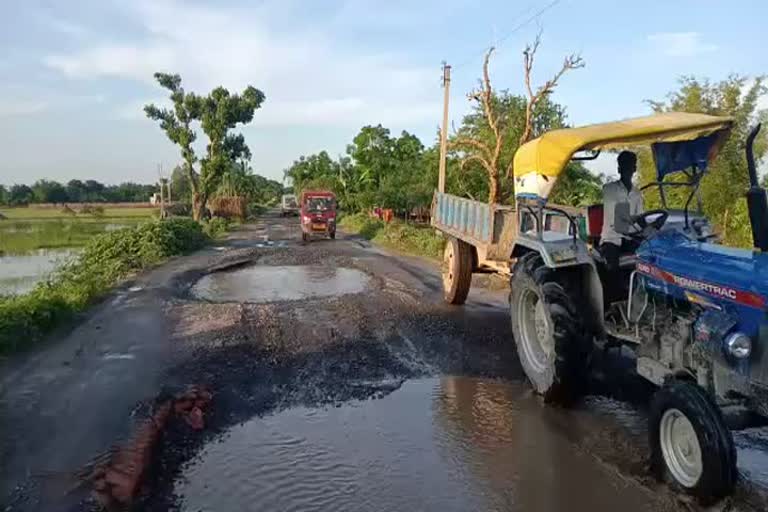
(616, 222)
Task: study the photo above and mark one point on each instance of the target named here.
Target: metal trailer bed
(491, 229)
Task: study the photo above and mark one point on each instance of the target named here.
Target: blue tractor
(692, 310)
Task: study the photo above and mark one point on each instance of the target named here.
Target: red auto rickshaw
(318, 214)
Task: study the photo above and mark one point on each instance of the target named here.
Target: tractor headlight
(739, 345)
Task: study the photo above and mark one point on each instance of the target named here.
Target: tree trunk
(493, 189)
(198, 206)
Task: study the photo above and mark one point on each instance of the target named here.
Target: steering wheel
(642, 221)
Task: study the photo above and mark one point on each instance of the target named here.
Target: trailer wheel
(552, 341)
(691, 445)
(332, 235)
(457, 271)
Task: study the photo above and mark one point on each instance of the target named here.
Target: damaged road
(339, 380)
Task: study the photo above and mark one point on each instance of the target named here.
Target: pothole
(267, 283)
(448, 444)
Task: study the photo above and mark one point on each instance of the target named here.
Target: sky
(75, 74)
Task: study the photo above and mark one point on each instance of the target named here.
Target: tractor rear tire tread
(572, 342)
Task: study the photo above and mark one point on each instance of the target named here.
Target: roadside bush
(216, 227)
(362, 224)
(256, 209)
(420, 240)
(106, 259)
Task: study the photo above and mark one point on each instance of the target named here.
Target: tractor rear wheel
(691, 445)
(552, 341)
(456, 271)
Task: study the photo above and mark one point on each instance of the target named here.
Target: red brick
(195, 419)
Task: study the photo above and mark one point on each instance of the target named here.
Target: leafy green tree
(20, 195)
(240, 180)
(45, 191)
(94, 191)
(310, 170)
(723, 187)
(3, 195)
(218, 113)
(180, 185)
(129, 192)
(577, 187)
(76, 191)
(177, 125)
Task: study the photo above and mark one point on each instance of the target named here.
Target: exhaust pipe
(757, 203)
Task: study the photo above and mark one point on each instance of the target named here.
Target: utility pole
(444, 130)
(162, 189)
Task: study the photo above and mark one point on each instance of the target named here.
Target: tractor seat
(626, 261)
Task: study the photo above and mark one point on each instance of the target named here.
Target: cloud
(681, 44)
(23, 101)
(309, 77)
(134, 110)
(66, 27)
(762, 102)
(21, 107)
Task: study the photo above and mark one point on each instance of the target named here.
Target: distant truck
(289, 206)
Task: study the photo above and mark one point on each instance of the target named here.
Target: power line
(515, 29)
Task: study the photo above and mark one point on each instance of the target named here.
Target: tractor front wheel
(456, 271)
(691, 445)
(552, 342)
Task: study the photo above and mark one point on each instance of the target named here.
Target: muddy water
(453, 443)
(263, 283)
(20, 273)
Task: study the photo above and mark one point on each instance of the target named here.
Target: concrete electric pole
(444, 130)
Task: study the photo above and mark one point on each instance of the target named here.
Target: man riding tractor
(695, 313)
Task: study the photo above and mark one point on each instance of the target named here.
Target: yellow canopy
(549, 154)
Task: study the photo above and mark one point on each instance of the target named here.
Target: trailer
(481, 237)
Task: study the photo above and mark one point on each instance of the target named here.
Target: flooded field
(20, 273)
(452, 443)
(266, 283)
(34, 241)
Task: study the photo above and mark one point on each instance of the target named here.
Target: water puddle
(20, 273)
(262, 283)
(452, 444)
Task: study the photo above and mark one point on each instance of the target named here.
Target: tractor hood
(711, 275)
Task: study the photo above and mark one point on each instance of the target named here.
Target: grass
(19, 237)
(28, 229)
(106, 259)
(409, 238)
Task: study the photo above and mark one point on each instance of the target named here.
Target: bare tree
(488, 152)
(573, 61)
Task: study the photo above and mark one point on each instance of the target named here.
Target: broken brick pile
(118, 480)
